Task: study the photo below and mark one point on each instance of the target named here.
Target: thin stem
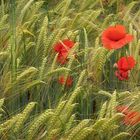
(13, 39)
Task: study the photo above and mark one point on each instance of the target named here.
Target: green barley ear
(98, 124)
(99, 59)
(129, 8)
(31, 84)
(73, 96)
(106, 126)
(55, 121)
(113, 103)
(36, 7)
(42, 35)
(58, 111)
(25, 8)
(58, 70)
(59, 6)
(103, 110)
(83, 134)
(48, 43)
(8, 125)
(106, 21)
(1, 110)
(24, 116)
(42, 69)
(38, 122)
(66, 6)
(120, 136)
(90, 19)
(124, 95)
(81, 78)
(78, 128)
(24, 76)
(105, 93)
(55, 132)
(64, 21)
(54, 63)
(70, 123)
(97, 42)
(69, 109)
(26, 73)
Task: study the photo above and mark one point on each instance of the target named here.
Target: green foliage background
(34, 106)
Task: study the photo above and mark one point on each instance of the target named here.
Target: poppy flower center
(115, 35)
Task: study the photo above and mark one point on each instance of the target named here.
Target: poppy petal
(57, 47)
(63, 48)
(62, 80)
(115, 37)
(68, 43)
(122, 42)
(116, 33)
(126, 63)
(122, 75)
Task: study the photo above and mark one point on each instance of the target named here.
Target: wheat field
(69, 69)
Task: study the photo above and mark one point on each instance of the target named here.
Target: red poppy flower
(126, 63)
(63, 48)
(122, 75)
(62, 80)
(115, 37)
(131, 117)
